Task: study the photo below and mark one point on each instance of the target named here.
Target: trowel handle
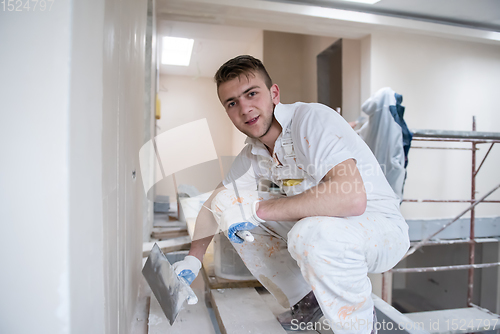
(191, 298)
(245, 235)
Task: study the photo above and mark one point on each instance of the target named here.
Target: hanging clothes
(397, 113)
(387, 135)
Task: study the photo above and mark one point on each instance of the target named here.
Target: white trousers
(328, 255)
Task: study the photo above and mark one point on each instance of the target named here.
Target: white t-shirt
(321, 140)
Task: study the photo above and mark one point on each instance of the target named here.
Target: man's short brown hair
(246, 65)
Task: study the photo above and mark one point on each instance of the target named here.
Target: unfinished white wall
(85, 172)
(72, 121)
(123, 134)
(443, 82)
(283, 60)
(35, 174)
(290, 60)
(185, 99)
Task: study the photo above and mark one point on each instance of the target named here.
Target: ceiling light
(176, 51)
(370, 2)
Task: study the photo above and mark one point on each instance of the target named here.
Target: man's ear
(275, 94)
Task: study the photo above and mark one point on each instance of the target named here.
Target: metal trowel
(170, 290)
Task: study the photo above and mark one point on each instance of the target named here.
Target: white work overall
(329, 255)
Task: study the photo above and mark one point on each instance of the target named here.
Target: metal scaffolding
(475, 138)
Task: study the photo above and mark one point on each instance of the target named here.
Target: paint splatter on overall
(331, 256)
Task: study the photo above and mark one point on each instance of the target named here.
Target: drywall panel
(123, 134)
(34, 177)
(74, 99)
(443, 83)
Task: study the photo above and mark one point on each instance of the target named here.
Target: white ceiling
(213, 45)
(482, 14)
(223, 29)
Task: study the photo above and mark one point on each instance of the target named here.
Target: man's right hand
(188, 268)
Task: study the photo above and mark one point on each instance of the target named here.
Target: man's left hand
(233, 220)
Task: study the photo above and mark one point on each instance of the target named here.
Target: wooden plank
(243, 311)
(170, 245)
(168, 235)
(168, 232)
(461, 320)
(165, 219)
(174, 223)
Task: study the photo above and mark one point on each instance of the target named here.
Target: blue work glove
(188, 268)
(233, 221)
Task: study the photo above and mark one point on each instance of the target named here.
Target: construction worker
(337, 220)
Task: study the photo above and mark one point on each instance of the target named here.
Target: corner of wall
(351, 79)
(366, 54)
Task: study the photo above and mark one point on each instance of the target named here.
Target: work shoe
(305, 311)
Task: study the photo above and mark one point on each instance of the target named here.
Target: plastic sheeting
(388, 140)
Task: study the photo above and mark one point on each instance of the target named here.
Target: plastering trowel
(170, 290)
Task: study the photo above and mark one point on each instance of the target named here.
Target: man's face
(249, 103)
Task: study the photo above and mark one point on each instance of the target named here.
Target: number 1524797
(26, 5)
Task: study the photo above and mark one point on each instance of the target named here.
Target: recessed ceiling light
(370, 2)
(176, 51)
